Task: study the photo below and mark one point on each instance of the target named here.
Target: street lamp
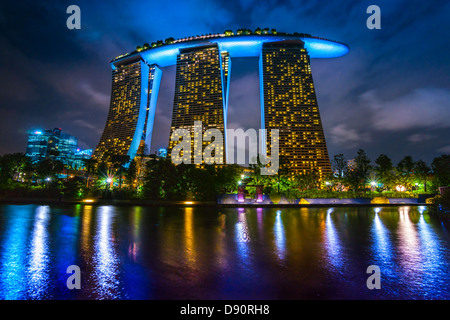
(107, 185)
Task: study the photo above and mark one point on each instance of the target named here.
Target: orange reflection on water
(86, 228)
(135, 242)
(189, 244)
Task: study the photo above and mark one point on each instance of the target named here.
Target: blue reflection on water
(106, 262)
(382, 250)
(434, 261)
(14, 246)
(38, 268)
(242, 236)
(123, 257)
(332, 245)
(280, 239)
(381, 246)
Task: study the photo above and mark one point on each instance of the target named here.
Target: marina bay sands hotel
(202, 82)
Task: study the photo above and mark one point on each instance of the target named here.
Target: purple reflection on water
(332, 245)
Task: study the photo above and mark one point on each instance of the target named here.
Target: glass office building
(56, 145)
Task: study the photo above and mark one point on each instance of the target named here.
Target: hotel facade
(203, 69)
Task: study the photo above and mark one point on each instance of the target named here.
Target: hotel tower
(289, 104)
(202, 81)
(201, 94)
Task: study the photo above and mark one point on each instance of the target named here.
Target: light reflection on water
(242, 238)
(410, 259)
(280, 240)
(38, 254)
(205, 253)
(13, 253)
(332, 245)
(106, 261)
(381, 246)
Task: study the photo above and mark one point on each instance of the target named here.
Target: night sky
(390, 94)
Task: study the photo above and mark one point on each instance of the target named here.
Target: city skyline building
(202, 81)
(56, 145)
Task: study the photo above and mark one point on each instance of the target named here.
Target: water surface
(222, 253)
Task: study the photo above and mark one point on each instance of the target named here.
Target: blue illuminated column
(154, 80)
(225, 63)
(142, 111)
(131, 114)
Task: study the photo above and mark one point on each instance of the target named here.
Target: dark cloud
(390, 94)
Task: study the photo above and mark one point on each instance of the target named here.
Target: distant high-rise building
(200, 93)
(162, 152)
(53, 144)
(130, 119)
(289, 104)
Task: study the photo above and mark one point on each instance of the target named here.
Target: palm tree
(118, 162)
(90, 165)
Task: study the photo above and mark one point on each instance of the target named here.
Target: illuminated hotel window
(200, 91)
(125, 107)
(288, 93)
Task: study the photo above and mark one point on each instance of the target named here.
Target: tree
(226, 177)
(383, 170)
(421, 171)
(12, 166)
(308, 180)
(441, 170)
(256, 177)
(357, 177)
(404, 171)
(162, 180)
(339, 165)
(102, 169)
(118, 162)
(89, 165)
(48, 168)
(363, 164)
(131, 173)
(406, 165)
(283, 171)
(169, 40)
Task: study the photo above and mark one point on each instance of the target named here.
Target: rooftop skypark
(317, 47)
